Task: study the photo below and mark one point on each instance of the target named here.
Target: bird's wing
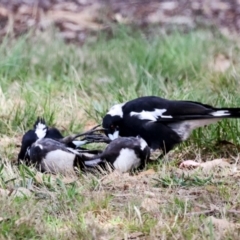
(49, 144)
(54, 133)
(163, 110)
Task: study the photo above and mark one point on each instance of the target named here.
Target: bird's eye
(112, 126)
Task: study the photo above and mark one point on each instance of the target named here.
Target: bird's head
(112, 121)
(111, 124)
(40, 128)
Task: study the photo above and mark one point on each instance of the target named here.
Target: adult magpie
(162, 123)
(124, 153)
(41, 130)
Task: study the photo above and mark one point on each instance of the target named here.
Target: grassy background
(72, 87)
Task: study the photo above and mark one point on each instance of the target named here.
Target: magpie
(41, 130)
(55, 155)
(124, 154)
(49, 155)
(162, 123)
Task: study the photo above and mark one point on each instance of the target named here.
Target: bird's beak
(79, 143)
(114, 135)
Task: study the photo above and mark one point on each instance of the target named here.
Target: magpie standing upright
(160, 122)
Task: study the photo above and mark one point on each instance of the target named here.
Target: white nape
(126, 161)
(58, 161)
(220, 113)
(116, 110)
(114, 135)
(41, 130)
(151, 115)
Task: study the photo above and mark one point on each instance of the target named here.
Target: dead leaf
(120, 19)
(150, 194)
(4, 192)
(67, 34)
(21, 220)
(221, 225)
(145, 173)
(221, 63)
(189, 164)
(21, 192)
(222, 163)
(4, 219)
(69, 179)
(84, 19)
(3, 12)
(150, 204)
(206, 166)
(112, 177)
(135, 235)
(39, 178)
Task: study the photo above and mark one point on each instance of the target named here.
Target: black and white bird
(52, 156)
(123, 154)
(41, 130)
(160, 122)
(55, 155)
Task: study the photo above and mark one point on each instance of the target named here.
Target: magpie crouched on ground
(55, 155)
(41, 130)
(52, 156)
(160, 122)
(124, 153)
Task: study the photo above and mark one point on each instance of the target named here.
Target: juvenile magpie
(124, 154)
(55, 155)
(41, 130)
(52, 156)
(160, 122)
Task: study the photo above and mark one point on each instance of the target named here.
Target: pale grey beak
(92, 162)
(79, 143)
(114, 135)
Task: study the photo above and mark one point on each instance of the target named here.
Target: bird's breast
(58, 161)
(127, 160)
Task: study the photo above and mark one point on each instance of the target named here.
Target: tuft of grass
(182, 181)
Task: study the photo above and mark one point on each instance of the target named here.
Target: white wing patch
(151, 115)
(126, 160)
(41, 130)
(116, 110)
(220, 113)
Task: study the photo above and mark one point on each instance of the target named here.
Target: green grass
(72, 87)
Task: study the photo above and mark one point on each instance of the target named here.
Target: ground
(72, 87)
(78, 20)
